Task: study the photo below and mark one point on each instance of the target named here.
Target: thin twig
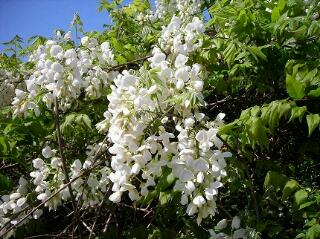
(87, 227)
(8, 166)
(98, 211)
(107, 223)
(60, 144)
(112, 68)
(64, 163)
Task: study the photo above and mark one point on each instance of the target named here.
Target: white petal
(200, 177)
(199, 201)
(186, 175)
(116, 197)
(191, 209)
(215, 166)
(190, 186)
(235, 224)
(202, 136)
(201, 165)
(180, 61)
(47, 152)
(222, 224)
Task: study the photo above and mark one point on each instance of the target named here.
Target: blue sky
(40, 17)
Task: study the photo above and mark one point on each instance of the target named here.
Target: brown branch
(8, 166)
(60, 143)
(107, 223)
(118, 67)
(64, 163)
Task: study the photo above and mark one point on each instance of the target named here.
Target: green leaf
(256, 52)
(275, 180)
(313, 121)
(281, 4)
(290, 187)
(225, 129)
(297, 112)
(295, 88)
(306, 204)
(314, 93)
(258, 131)
(313, 232)
(300, 197)
(5, 183)
(166, 179)
(165, 197)
(275, 15)
(4, 145)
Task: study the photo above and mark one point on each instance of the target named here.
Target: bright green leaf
(313, 121)
(290, 187)
(300, 197)
(295, 88)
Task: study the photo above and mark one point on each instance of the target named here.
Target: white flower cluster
(236, 231)
(198, 168)
(65, 74)
(48, 178)
(136, 103)
(8, 84)
(167, 8)
(15, 204)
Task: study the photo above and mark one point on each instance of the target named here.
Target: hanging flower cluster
(8, 84)
(64, 74)
(237, 232)
(164, 8)
(191, 148)
(47, 178)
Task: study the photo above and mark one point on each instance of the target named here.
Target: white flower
(21, 201)
(235, 224)
(186, 175)
(157, 59)
(192, 209)
(76, 166)
(200, 165)
(105, 46)
(239, 234)
(57, 67)
(184, 199)
(180, 84)
(85, 40)
(116, 197)
(125, 81)
(14, 196)
(47, 152)
(38, 163)
(190, 186)
(200, 177)
(198, 85)
(56, 50)
(19, 93)
(199, 201)
(68, 36)
(222, 224)
(180, 61)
